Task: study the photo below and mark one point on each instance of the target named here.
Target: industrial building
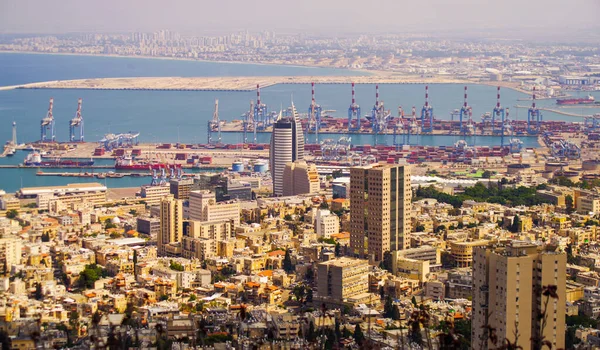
(92, 192)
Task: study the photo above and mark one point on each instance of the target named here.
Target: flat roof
(77, 187)
(127, 241)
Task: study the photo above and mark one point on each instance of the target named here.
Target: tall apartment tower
(171, 224)
(380, 204)
(508, 284)
(287, 145)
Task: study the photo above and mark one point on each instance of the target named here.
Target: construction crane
(75, 123)
(214, 124)
(47, 124)
(426, 114)
(534, 117)
(353, 113)
(314, 115)
(465, 113)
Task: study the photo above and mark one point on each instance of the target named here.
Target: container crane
(534, 117)
(353, 113)
(262, 119)
(214, 124)
(250, 122)
(47, 124)
(76, 123)
(464, 114)
(498, 112)
(426, 114)
(314, 115)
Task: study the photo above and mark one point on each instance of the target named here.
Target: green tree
(419, 228)
(288, 217)
(569, 204)
(387, 263)
(516, 224)
(11, 214)
(176, 266)
(487, 174)
(90, 274)
(108, 224)
(413, 300)
(39, 293)
(338, 249)
(45, 237)
(288, 266)
(358, 335)
(388, 307)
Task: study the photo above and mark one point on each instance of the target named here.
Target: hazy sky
(315, 16)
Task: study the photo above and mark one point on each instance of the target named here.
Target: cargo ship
(128, 163)
(35, 159)
(589, 99)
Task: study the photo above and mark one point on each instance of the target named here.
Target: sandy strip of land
(242, 83)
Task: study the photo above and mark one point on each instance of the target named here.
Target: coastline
(362, 72)
(361, 77)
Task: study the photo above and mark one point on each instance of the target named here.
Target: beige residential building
(462, 252)
(380, 204)
(588, 204)
(342, 278)
(153, 194)
(201, 240)
(300, 177)
(171, 224)
(180, 188)
(204, 207)
(10, 251)
(508, 282)
(327, 223)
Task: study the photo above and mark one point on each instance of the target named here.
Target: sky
(512, 18)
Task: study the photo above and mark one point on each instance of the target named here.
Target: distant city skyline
(549, 19)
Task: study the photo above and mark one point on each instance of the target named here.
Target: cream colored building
(10, 251)
(171, 224)
(92, 192)
(153, 194)
(201, 240)
(508, 282)
(380, 205)
(300, 177)
(204, 207)
(462, 252)
(327, 223)
(588, 204)
(342, 278)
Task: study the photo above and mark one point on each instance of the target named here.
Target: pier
(557, 111)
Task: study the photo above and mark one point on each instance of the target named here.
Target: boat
(589, 99)
(35, 159)
(128, 163)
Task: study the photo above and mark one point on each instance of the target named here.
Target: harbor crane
(249, 122)
(534, 118)
(214, 124)
(47, 125)
(498, 113)
(465, 114)
(426, 114)
(379, 116)
(353, 113)
(314, 115)
(262, 118)
(76, 123)
(591, 122)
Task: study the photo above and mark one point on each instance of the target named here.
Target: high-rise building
(204, 207)
(508, 285)
(171, 224)
(342, 278)
(300, 177)
(287, 145)
(180, 188)
(380, 204)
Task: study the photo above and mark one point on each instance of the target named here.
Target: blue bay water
(171, 116)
